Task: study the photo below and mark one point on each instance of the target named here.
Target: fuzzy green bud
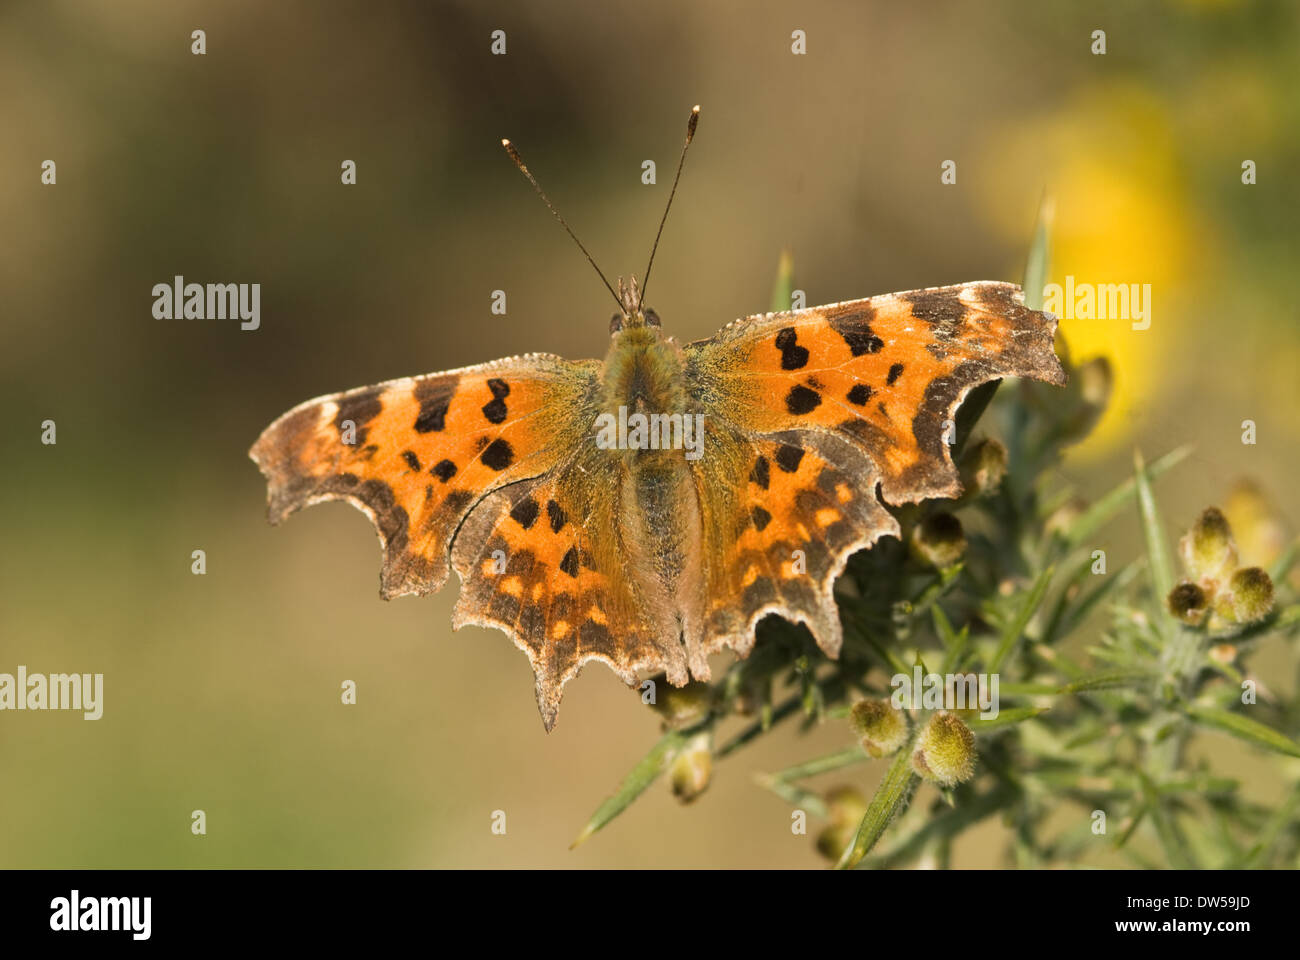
(1189, 603)
(845, 808)
(938, 540)
(1252, 595)
(692, 769)
(880, 727)
(1208, 549)
(983, 467)
(682, 707)
(945, 751)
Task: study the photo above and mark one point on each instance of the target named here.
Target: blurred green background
(222, 691)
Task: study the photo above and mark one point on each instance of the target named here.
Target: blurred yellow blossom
(1110, 161)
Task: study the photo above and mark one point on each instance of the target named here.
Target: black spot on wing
(859, 395)
(360, 410)
(557, 516)
(495, 409)
(895, 372)
(498, 454)
(444, 470)
(942, 309)
(433, 415)
(411, 459)
(761, 518)
(855, 328)
(793, 356)
(788, 458)
(570, 562)
(761, 474)
(434, 397)
(800, 400)
(595, 637)
(525, 512)
(456, 501)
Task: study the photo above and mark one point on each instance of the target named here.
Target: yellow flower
(1111, 164)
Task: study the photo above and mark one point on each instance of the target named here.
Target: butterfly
(648, 509)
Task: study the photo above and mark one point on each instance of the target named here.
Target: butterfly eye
(652, 318)
(616, 323)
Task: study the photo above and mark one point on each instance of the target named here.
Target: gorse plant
(994, 585)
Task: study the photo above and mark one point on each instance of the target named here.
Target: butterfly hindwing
(546, 562)
(807, 503)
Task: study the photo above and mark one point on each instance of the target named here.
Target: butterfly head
(633, 314)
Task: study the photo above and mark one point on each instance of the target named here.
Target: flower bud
(938, 540)
(880, 727)
(1256, 526)
(1095, 380)
(1063, 518)
(753, 694)
(1252, 595)
(692, 768)
(983, 467)
(1208, 549)
(845, 808)
(1090, 388)
(945, 751)
(683, 707)
(1189, 603)
(1223, 653)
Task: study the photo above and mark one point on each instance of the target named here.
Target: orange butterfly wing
(493, 468)
(546, 562)
(417, 454)
(815, 408)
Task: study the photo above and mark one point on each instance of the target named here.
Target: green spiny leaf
(1244, 728)
(1039, 259)
(783, 288)
(891, 799)
(1107, 680)
(795, 795)
(1110, 504)
(634, 784)
(1004, 719)
(1162, 571)
(1077, 612)
(1015, 630)
(848, 757)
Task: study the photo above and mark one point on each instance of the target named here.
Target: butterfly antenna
(690, 133)
(523, 168)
